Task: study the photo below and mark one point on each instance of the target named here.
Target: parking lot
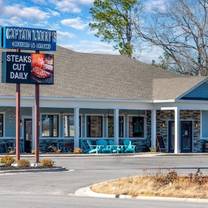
(56, 189)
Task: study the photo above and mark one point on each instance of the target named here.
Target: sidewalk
(142, 154)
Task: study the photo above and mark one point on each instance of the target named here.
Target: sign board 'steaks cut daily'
(27, 68)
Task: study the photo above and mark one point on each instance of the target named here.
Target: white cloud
(12, 21)
(26, 13)
(75, 23)
(53, 12)
(155, 5)
(64, 35)
(86, 1)
(1, 5)
(67, 6)
(71, 6)
(150, 53)
(39, 1)
(87, 46)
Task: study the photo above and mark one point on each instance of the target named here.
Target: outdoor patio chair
(10, 147)
(115, 148)
(93, 148)
(84, 146)
(103, 146)
(2, 147)
(66, 147)
(128, 147)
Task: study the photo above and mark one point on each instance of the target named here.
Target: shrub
(47, 163)
(77, 150)
(153, 150)
(166, 179)
(171, 177)
(198, 177)
(23, 163)
(7, 160)
(57, 151)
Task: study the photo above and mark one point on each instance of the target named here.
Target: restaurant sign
(28, 38)
(27, 68)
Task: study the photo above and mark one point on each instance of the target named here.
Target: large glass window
(94, 126)
(50, 125)
(69, 129)
(1, 125)
(69, 126)
(136, 126)
(111, 126)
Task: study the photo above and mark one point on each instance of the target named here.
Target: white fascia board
(192, 88)
(193, 101)
(164, 101)
(95, 99)
(57, 102)
(96, 104)
(79, 99)
(182, 106)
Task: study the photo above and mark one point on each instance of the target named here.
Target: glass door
(186, 136)
(28, 135)
(171, 136)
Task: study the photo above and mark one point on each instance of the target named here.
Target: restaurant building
(109, 97)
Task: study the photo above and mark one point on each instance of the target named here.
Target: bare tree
(182, 32)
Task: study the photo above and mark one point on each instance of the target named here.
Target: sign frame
(23, 68)
(26, 38)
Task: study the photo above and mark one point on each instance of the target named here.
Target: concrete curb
(142, 154)
(90, 155)
(34, 170)
(87, 192)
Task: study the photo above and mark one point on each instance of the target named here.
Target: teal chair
(88, 147)
(103, 146)
(115, 148)
(84, 146)
(128, 147)
(112, 146)
(93, 148)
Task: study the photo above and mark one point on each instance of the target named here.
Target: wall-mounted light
(196, 124)
(163, 124)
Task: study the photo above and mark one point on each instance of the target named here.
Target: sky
(70, 18)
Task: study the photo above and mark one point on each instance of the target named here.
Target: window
(69, 126)
(50, 125)
(94, 126)
(1, 125)
(111, 126)
(69, 129)
(121, 126)
(136, 126)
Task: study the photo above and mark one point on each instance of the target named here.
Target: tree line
(180, 30)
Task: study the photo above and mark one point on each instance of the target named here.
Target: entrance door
(171, 136)
(28, 135)
(186, 136)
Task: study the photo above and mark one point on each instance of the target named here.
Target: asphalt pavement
(56, 189)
